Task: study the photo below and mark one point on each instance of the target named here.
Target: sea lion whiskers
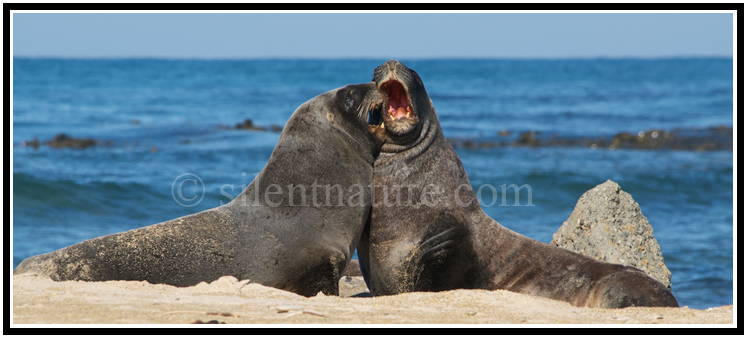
(370, 108)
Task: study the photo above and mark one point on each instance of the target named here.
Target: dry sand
(39, 300)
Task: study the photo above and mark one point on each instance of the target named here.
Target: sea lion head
(367, 101)
(406, 103)
(345, 110)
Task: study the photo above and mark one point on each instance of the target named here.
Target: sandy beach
(39, 300)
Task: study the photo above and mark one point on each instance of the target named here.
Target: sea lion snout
(370, 104)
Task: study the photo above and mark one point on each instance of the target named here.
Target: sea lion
(428, 231)
(295, 227)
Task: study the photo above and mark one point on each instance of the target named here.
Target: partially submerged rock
(64, 141)
(31, 143)
(607, 224)
(698, 139)
(527, 139)
(250, 126)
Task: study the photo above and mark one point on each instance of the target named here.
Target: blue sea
(160, 119)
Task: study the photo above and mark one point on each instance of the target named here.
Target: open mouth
(398, 106)
(393, 118)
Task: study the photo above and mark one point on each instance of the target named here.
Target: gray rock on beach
(607, 224)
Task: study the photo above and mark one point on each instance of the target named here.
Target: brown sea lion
(295, 227)
(428, 231)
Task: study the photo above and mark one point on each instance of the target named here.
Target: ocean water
(159, 119)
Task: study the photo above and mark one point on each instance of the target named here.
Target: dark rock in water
(527, 139)
(607, 224)
(706, 139)
(32, 143)
(248, 125)
(654, 139)
(66, 141)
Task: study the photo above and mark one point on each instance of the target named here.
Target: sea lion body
(436, 236)
(295, 227)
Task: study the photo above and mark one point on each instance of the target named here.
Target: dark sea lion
(295, 227)
(428, 231)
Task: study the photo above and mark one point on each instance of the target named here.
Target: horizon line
(257, 58)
